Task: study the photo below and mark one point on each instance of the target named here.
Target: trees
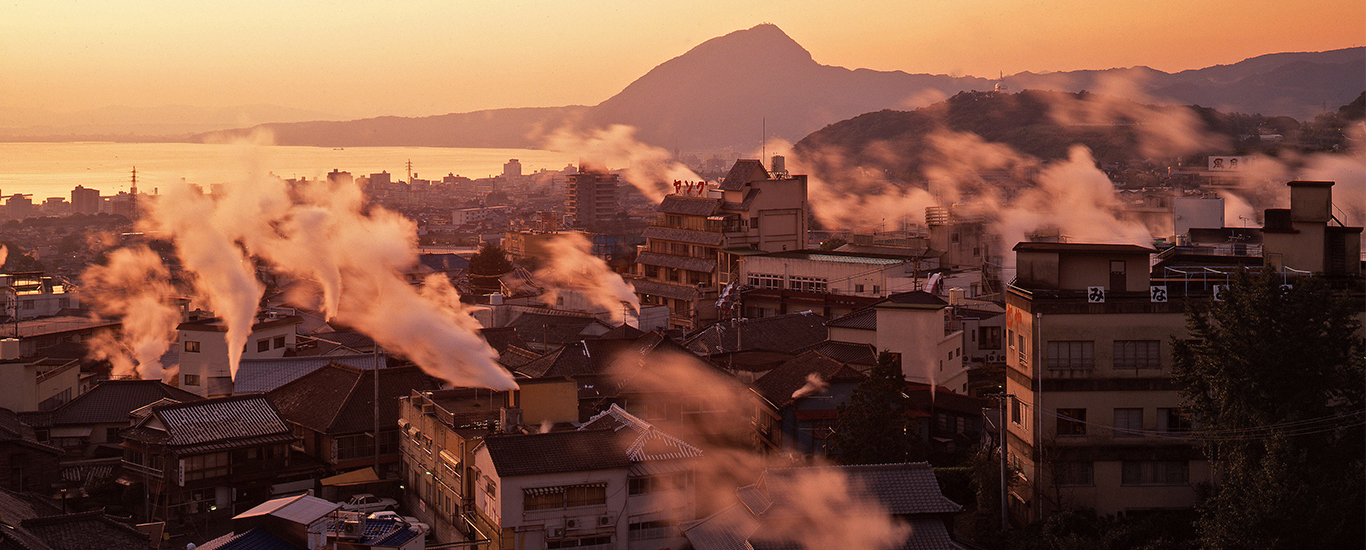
(872, 426)
(490, 260)
(1274, 379)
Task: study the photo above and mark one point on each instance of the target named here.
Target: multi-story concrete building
(204, 358)
(85, 201)
(700, 235)
(591, 198)
(32, 295)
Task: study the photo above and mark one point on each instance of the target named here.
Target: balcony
(142, 470)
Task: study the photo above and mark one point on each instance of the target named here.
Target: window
(658, 529)
(1071, 421)
(191, 347)
(564, 496)
(206, 466)
(1172, 420)
(650, 484)
(29, 304)
(111, 435)
(877, 290)
(1137, 354)
(604, 541)
(279, 342)
(1128, 422)
(1071, 355)
(1155, 472)
(263, 345)
(858, 288)
(191, 379)
(991, 338)
(1073, 474)
(1015, 411)
(766, 281)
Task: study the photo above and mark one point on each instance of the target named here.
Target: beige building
(1094, 416)
(701, 234)
(918, 327)
(204, 368)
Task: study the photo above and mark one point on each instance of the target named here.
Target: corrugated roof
(648, 443)
(303, 509)
(263, 375)
(845, 352)
(258, 538)
(778, 333)
(864, 319)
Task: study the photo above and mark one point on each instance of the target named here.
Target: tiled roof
(21, 539)
(744, 171)
(690, 206)
(655, 288)
(586, 356)
(648, 443)
(112, 400)
(778, 333)
(84, 531)
(865, 319)
(224, 418)
(257, 538)
(728, 529)
(339, 399)
(918, 396)
(900, 489)
(779, 384)
(683, 235)
(676, 262)
(549, 329)
(554, 452)
(915, 297)
(500, 338)
(845, 352)
(263, 375)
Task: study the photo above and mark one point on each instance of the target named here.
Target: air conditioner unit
(571, 523)
(352, 529)
(604, 521)
(556, 532)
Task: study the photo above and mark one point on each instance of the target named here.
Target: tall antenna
(763, 140)
(410, 171)
(134, 189)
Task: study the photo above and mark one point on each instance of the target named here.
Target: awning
(363, 475)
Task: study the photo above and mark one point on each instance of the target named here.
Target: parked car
(366, 502)
(413, 522)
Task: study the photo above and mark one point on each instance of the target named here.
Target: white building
(204, 367)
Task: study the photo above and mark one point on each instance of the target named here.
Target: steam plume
(572, 267)
(648, 168)
(134, 286)
(814, 384)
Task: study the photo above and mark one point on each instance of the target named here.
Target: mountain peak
(764, 41)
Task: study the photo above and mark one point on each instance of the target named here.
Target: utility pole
(1005, 511)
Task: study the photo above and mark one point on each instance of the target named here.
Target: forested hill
(1046, 124)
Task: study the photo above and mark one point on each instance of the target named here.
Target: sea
(52, 169)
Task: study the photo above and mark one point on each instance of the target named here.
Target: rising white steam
(648, 168)
(318, 231)
(571, 266)
(4, 254)
(134, 286)
(814, 384)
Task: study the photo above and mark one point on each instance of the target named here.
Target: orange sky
(351, 58)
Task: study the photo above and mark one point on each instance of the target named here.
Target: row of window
(1133, 472)
(1081, 354)
(262, 345)
(1127, 422)
(564, 496)
(799, 283)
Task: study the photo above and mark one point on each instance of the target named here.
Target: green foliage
(1085, 530)
(873, 428)
(490, 260)
(1275, 380)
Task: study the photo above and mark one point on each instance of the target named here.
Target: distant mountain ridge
(731, 91)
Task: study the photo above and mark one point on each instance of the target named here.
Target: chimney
(509, 419)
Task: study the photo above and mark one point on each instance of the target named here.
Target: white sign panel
(1158, 293)
(1095, 294)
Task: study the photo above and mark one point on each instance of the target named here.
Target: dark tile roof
(845, 352)
(666, 290)
(918, 396)
(84, 531)
(865, 319)
(676, 262)
(683, 235)
(779, 384)
(900, 489)
(689, 206)
(548, 453)
(500, 338)
(257, 538)
(744, 171)
(339, 399)
(550, 329)
(266, 374)
(220, 420)
(586, 356)
(643, 441)
(20, 539)
(443, 262)
(622, 331)
(778, 333)
(915, 297)
(110, 401)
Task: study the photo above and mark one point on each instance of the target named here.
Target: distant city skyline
(349, 59)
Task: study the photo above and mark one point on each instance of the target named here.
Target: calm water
(53, 169)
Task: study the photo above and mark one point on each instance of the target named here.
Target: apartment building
(701, 233)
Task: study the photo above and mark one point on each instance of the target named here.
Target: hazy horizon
(346, 60)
